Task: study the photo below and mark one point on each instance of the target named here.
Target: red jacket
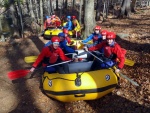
(108, 50)
(51, 53)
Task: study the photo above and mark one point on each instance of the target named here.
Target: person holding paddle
(112, 51)
(63, 44)
(96, 37)
(51, 55)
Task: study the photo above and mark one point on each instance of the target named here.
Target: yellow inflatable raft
(80, 83)
(54, 32)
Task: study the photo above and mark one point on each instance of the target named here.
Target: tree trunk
(37, 10)
(73, 4)
(89, 17)
(51, 6)
(125, 8)
(98, 9)
(80, 12)
(66, 4)
(56, 5)
(20, 18)
(1, 34)
(31, 9)
(41, 12)
(133, 5)
(48, 6)
(15, 29)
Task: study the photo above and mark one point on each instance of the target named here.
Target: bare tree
(133, 5)
(41, 12)
(56, 5)
(89, 17)
(80, 12)
(66, 4)
(37, 10)
(99, 9)
(12, 12)
(73, 4)
(31, 9)
(48, 6)
(125, 8)
(20, 18)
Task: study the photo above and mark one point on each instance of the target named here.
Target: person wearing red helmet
(50, 55)
(76, 27)
(104, 33)
(66, 32)
(96, 37)
(112, 51)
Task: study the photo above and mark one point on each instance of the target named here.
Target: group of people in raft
(103, 41)
(71, 24)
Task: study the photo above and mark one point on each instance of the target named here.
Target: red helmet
(104, 32)
(110, 35)
(73, 17)
(55, 39)
(53, 16)
(97, 28)
(65, 31)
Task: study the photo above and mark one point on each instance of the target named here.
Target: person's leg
(65, 68)
(60, 69)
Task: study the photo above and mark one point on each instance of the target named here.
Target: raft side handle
(79, 95)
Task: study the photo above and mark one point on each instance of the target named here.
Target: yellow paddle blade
(30, 59)
(129, 62)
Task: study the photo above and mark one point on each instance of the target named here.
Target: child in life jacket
(63, 44)
(68, 25)
(51, 55)
(112, 51)
(76, 27)
(96, 37)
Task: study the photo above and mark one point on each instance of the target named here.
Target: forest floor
(25, 96)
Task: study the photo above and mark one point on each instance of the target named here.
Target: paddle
(31, 59)
(13, 75)
(17, 74)
(124, 76)
(127, 61)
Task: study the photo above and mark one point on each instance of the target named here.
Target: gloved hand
(85, 48)
(32, 69)
(75, 59)
(72, 42)
(117, 70)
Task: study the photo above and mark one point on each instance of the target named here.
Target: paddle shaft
(59, 63)
(133, 82)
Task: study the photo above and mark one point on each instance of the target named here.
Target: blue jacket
(97, 38)
(69, 25)
(65, 48)
(48, 43)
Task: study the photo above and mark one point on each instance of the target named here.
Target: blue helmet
(69, 17)
(47, 17)
(61, 35)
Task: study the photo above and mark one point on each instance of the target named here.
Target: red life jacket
(95, 38)
(108, 51)
(54, 56)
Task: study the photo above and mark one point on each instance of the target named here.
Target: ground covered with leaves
(25, 96)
